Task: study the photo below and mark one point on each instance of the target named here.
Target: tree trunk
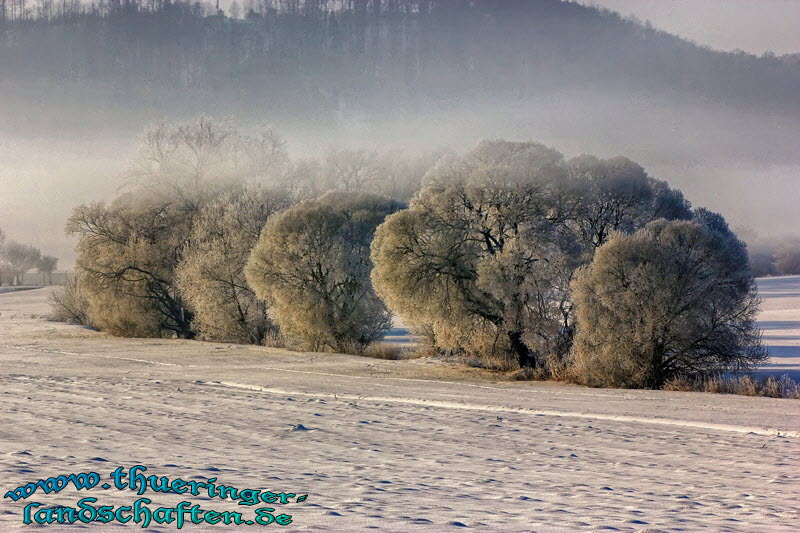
(656, 377)
(525, 357)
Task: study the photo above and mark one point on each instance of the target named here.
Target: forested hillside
(324, 61)
(79, 81)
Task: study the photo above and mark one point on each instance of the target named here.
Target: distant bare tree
(20, 258)
(46, 266)
(389, 174)
(236, 10)
(401, 176)
(787, 257)
(190, 159)
(350, 170)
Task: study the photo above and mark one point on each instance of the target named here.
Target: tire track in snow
(770, 432)
(441, 403)
(61, 352)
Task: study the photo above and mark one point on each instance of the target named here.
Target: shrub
(771, 387)
(69, 302)
(388, 351)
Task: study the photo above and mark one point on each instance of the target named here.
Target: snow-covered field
(390, 445)
(780, 323)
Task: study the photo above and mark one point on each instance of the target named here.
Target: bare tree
(46, 266)
(20, 258)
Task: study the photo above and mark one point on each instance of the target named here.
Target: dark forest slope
(317, 61)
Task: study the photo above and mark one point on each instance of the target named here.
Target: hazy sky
(752, 25)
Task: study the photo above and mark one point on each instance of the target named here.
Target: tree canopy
(673, 299)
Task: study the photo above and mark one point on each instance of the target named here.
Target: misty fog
(79, 83)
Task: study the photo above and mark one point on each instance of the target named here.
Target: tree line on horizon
(17, 259)
(774, 256)
(584, 268)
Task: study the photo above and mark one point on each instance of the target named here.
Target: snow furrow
(522, 410)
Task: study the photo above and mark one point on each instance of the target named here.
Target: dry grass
(69, 303)
(378, 350)
(554, 368)
(390, 351)
(771, 387)
(274, 339)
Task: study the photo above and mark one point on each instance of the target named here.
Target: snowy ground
(391, 445)
(780, 323)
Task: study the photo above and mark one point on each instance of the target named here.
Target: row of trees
(508, 252)
(17, 259)
(167, 257)
(775, 257)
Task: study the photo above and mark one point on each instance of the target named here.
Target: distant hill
(79, 81)
(316, 60)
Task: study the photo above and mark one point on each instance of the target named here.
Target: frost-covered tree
(129, 250)
(482, 255)
(127, 254)
(617, 195)
(312, 267)
(210, 276)
(675, 298)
